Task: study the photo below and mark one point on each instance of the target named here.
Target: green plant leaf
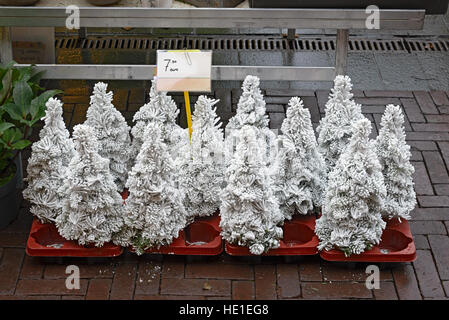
(6, 87)
(6, 68)
(34, 107)
(10, 136)
(36, 77)
(10, 64)
(13, 111)
(38, 116)
(21, 144)
(5, 126)
(25, 73)
(17, 135)
(23, 94)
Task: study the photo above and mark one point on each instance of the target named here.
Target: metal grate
(252, 44)
(427, 45)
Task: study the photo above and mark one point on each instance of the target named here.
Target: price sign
(184, 70)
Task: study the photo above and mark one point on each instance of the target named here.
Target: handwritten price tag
(184, 70)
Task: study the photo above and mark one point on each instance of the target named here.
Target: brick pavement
(225, 277)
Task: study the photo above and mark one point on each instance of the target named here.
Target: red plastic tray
(45, 241)
(396, 246)
(201, 237)
(299, 239)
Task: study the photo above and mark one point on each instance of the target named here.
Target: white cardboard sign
(184, 70)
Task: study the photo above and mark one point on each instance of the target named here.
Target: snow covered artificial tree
(301, 177)
(335, 128)
(251, 111)
(201, 165)
(48, 163)
(111, 131)
(92, 210)
(162, 110)
(394, 156)
(351, 217)
(249, 210)
(154, 211)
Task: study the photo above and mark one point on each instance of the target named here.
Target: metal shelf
(340, 19)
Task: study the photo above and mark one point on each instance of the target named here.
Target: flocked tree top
(111, 131)
(47, 165)
(335, 129)
(251, 111)
(207, 135)
(297, 127)
(251, 106)
(161, 110)
(394, 156)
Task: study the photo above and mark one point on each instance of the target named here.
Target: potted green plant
(22, 105)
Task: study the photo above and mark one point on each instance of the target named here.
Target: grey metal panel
(274, 73)
(146, 72)
(5, 45)
(118, 12)
(212, 23)
(211, 17)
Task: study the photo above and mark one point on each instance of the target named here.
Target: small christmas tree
(352, 219)
(249, 210)
(394, 156)
(251, 106)
(111, 131)
(335, 129)
(251, 111)
(92, 210)
(201, 166)
(301, 169)
(162, 110)
(48, 163)
(154, 210)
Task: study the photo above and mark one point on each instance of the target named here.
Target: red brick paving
(98, 289)
(265, 281)
(156, 277)
(288, 281)
(243, 290)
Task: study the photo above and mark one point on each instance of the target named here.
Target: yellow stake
(189, 115)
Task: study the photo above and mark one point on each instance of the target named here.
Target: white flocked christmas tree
(155, 211)
(394, 156)
(92, 210)
(351, 218)
(161, 110)
(251, 111)
(112, 132)
(301, 177)
(249, 210)
(335, 128)
(48, 163)
(201, 166)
